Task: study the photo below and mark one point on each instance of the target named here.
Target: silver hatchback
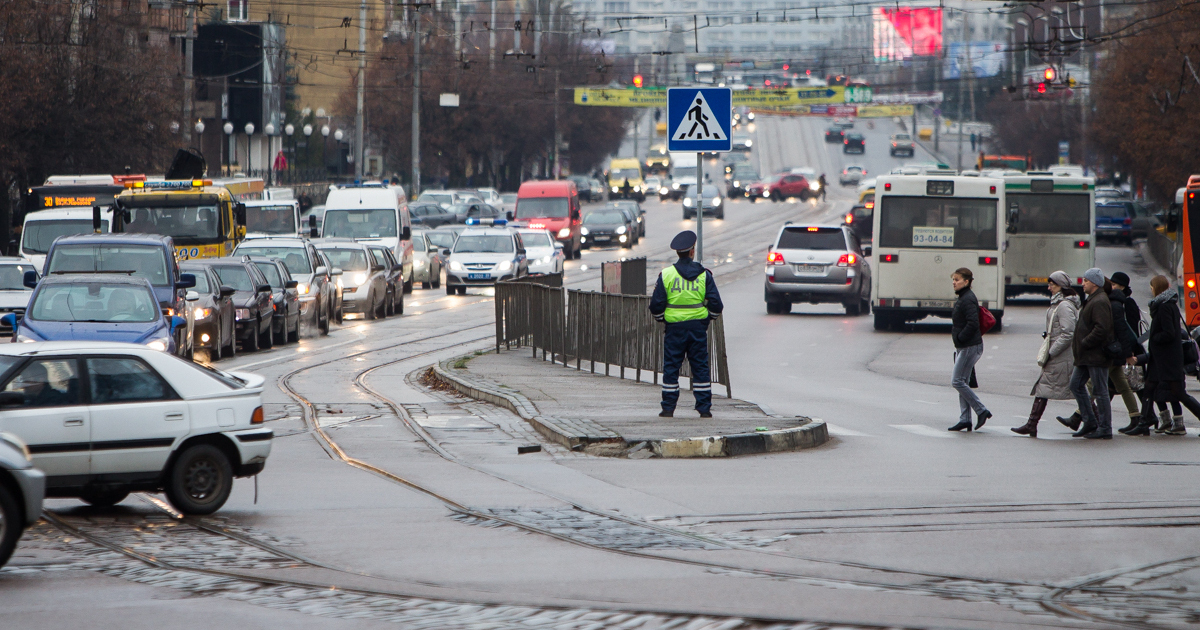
(818, 264)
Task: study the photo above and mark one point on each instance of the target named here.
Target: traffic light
(787, 66)
(637, 80)
(1049, 74)
(1041, 88)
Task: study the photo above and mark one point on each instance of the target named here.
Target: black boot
(1071, 423)
(1085, 430)
(983, 417)
(1143, 427)
(1134, 421)
(1035, 415)
(666, 414)
(965, 424)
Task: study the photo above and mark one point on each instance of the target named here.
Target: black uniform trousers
(686, 339)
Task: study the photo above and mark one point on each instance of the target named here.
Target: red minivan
(551, 205)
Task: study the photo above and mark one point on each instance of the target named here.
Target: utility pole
(557, 132)
(699, 208)
(492, 39)
(517, 34)
(537, 29)
(416, 106)
(359, 150)
(457, 31)
(958, 61)
(189, 82)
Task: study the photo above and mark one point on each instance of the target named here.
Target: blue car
(1114, 220)
(96, 307)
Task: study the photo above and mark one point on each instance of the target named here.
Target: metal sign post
(700, 120)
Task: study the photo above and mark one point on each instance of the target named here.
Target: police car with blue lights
(487, 251)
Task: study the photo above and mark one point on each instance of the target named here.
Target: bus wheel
(999, 322)
(882, 321)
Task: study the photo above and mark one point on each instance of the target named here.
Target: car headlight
(203, 313)
(621, 230)
(687, 201)
(545, 259)
(814, 185)
(737, 184)
(157, 344)
(637, 189)
(584, 231)
(663, 190)
(302, 288)
(616, 188)
(242, 313)
(766, 193)
(749, 143)
(675, 185)
(505, 266)
(564, 233)
(418, 263)
(716, 201)
(455, 265)
(360, 278)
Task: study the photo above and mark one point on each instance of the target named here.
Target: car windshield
(145, 261)
(418, 242)
(508, 198)
(37, 236)
(745, 172)
(380, 260)
(94, 302)
(272, 273)
(617, 174)
(806, 238)
(441, 239)
(293, 258)
(710, 191)
(379, 223)
(536, 239)
(442, 199)
(235, 277)
(271, 219)
(425, 210)
(1050, 214)
(684, 171)
(483, 244)
(201, 279)
(604, 217)
(347, 259)
(184, 224)
(949, 222)
(1112, 211)
(542, 207)
(12, 277)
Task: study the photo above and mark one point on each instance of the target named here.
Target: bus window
(964, 223)
(1051, 214)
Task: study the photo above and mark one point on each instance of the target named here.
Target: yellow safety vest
(685, 298)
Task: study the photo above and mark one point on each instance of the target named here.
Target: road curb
(575, 434)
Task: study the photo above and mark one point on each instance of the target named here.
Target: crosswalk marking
(844, 432)
(923, 430)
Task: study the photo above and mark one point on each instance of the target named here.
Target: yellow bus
(203, 218)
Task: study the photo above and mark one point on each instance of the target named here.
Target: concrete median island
(605, 415)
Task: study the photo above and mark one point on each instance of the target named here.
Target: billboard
(904, 32)
(987, 58)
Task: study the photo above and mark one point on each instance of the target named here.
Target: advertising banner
(987, 58)
(884, 111)
(656, 97)
(905, 32)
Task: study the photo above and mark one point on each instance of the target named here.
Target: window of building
(239, 11)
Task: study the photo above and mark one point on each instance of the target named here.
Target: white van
(372, 213)
(683, 173)
(273, 217)
(42, 227)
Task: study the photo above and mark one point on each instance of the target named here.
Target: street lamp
(249, 128)
(228, 129)
(308, 129)
(199, 126)
(338, 135)
(324, 144)
(290, 129)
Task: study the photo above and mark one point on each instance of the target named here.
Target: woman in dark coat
(1164, 359)
(968, 348)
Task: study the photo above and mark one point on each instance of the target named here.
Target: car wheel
(721, 215)
(450, 289)
(251, 342)
(230, 350)
(281, 338)
(294, 337)
(381, 311)
(398, 309)
(866, 306)
(12, 523)
(200, 480)
(408, 285)
(370, 311)
(436, 281)
(426, 285)
(267, 341)
(323, 321)
(853, 309)
(462, 290)
(882, 322)
(103, 498)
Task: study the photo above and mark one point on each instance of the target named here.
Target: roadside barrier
(589, 327)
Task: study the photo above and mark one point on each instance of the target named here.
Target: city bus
(1051, 223)
(203, 219)
(1190, 246)
(926, 226)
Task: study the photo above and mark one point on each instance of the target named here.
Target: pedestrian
(1055, 358)
(974, 139)
(968, 348)
(1130, 347)
(1093, 333)
(1164, 360)
(822, 185)
(686, 298)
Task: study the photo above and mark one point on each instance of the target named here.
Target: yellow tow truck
(205, 219)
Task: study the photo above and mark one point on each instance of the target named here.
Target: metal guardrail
(1164, 248)
(588, 327)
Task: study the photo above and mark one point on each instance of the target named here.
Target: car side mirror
(312, 232)
(337, 271)
(406, 233)
(558, 245)
(446, 252)
(186, 281)
(263, 288)
(397, 267)
(508, 215)
(291, 284)
(866, 250)
(177, 321)
(320, 271)
(312, 221)
(192, 296)
(12, 399)
(239, 214)
(227, 291)
(10, 320)
(31, 279)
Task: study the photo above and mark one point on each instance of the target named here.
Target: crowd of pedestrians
(1095, 346)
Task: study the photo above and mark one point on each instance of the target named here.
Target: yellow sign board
(604, 97)
(884, 111)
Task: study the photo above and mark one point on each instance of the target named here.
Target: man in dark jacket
(1127, 335)
(1133, 314)
(1093, 331)
(686, 298)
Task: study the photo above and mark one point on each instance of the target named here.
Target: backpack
(987, 321)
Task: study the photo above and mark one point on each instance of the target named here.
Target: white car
(483, 254)
(14, 295)
(544, 253)
(105, 419)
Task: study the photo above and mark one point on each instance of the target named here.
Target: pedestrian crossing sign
(700, 119)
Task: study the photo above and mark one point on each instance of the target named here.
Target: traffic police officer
(686, 297)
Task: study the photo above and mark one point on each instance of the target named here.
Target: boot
(1165, 421)
(1035, 414)
(963, 424)
(1134, 421)
(1085, 430)
(1071, 423)
(1143, 427)
(1177, 427)
(983, 417)
(666, 414)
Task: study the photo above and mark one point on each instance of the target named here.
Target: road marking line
(926, 402)
(923, 430)
(842, 431)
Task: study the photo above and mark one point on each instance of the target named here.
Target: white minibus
(1051, 226)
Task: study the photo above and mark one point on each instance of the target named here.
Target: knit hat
(1095, 276)
(1120, 278)
(1060, 278)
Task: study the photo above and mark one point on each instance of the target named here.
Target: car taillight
(1127, 221)
(257, 416)
(845, 142)
(845, 260)
(1081, 244)
(870, 205)
(988, 260)
(1191, 284)
(889, 258)
(775, 258)
(887, 186)
(849, 217)
(992, 189)
(893, 144)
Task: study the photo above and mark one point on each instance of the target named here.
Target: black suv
(834, 134)
(854, 143)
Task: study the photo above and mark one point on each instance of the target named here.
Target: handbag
(986, 320)
(1191, 352)
(1043, 355)
(1135, 375)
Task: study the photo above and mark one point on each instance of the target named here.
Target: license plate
(1033, 280)
(601, 238)
(479, 276)
(810, 268)
(936, 303)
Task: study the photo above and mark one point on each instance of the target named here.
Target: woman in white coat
(1054, 357)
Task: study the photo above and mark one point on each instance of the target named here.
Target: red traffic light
(637, 80)
(767, 83)
(1049, 74)
(786, 66)
(1041, 88)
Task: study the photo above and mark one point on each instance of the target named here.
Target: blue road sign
(699, 119)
